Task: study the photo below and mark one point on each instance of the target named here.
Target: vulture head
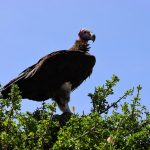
(81, 44)
(85, 35)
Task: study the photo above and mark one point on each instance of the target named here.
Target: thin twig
(113, 104)
(85, 133)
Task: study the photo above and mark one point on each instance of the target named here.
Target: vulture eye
(85, 32)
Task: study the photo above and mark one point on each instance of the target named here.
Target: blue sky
(31, 29)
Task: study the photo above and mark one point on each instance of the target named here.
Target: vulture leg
(62, 97)
(1, 95)
(64, 107)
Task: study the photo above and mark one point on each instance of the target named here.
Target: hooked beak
(93, 37)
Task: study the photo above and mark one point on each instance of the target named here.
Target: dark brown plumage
(57, 74)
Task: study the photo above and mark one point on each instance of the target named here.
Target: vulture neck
(80, 45)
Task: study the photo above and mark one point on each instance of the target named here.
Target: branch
(113, 104)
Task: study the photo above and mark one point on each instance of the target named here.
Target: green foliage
(109, 126)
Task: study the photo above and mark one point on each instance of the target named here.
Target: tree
(118, 125)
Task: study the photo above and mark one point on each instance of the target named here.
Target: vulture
(57, 74)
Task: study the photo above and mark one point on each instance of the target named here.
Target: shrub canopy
(109, 126)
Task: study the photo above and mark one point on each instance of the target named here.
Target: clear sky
(31, 29)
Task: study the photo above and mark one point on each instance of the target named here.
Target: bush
(109, 126)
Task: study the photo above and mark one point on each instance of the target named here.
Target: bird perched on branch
(57, 74)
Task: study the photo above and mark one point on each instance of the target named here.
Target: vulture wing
(42, 79)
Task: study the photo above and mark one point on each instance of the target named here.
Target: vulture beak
(93, 37)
